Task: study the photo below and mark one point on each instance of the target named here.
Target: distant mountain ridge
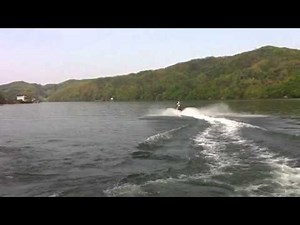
(267, 72)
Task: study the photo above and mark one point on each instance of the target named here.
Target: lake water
(224, 148)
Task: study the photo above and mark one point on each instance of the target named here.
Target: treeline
(268, 72)
(2, 99)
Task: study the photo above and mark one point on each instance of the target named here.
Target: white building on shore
(22, 98)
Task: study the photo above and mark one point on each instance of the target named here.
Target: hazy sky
(55, 55)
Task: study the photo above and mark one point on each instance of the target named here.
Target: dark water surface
(228, 148)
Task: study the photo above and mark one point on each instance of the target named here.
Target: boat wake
(237, 166)
(158, 139)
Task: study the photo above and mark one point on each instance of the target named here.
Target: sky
(55, 55)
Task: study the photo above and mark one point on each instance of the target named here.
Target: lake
(148, 149)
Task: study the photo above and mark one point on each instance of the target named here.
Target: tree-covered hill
(267, 72)
(10, 91)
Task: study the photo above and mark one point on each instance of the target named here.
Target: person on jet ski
(178, 106)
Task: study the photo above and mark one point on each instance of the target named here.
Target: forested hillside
(267, 72)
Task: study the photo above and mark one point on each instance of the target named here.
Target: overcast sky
(55, 55)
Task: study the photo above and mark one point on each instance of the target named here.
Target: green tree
(2, 99)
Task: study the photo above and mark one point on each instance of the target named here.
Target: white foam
(164, 112)
(223, 110)
(163, 181)
(284, 180)
(209, 117)
(215, 110)
(254, 190)
(125, 190)
(54, 195)
(128, 189)
(287, 177)
(215, 139)
(159, 136)
(167, 135)
(223, 131)
(210, 114)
